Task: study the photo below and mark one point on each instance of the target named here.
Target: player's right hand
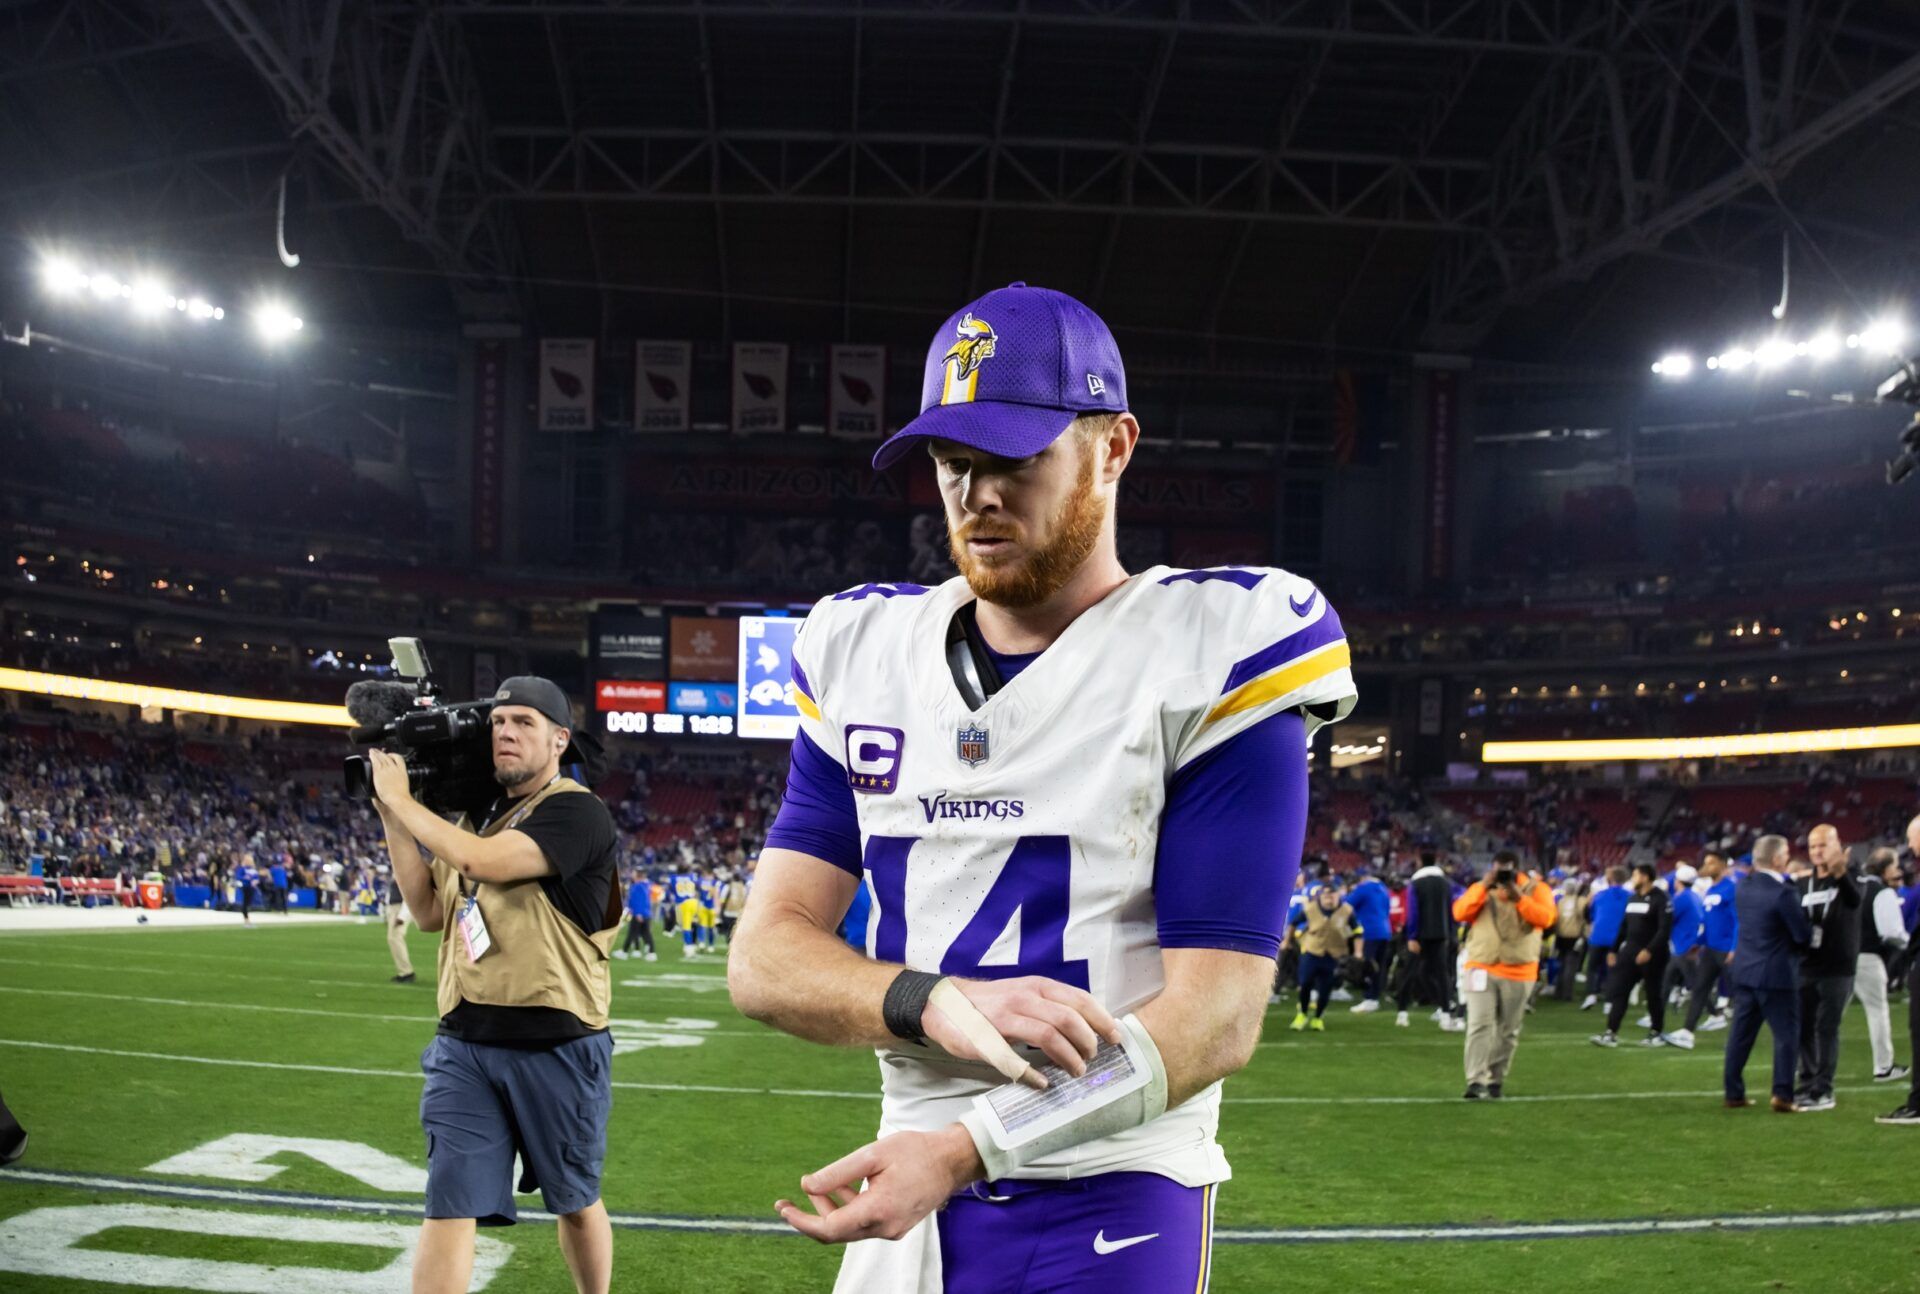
(1062, 1021)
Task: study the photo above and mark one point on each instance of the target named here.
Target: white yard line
(874, 1095)
(229, 1062)
(1241, 1235)
(424, 1018)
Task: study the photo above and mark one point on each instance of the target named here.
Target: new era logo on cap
(1011, 371)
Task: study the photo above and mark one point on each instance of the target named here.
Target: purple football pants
(1136, 1232)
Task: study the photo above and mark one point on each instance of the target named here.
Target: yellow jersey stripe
(1335, 656)
(806, 705)
(1206, 1239)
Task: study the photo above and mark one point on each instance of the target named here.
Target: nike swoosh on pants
(1102, 1245)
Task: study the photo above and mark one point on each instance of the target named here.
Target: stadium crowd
(244, 823)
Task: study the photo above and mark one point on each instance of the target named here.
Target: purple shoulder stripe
(800, 680)
(1318, 634)
(1226, 574)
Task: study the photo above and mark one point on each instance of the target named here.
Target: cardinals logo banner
(857, 391)
(663, 377)
(759, 386)
(566, 384)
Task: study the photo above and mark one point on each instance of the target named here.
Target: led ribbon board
(258, 708)
(1809, 741)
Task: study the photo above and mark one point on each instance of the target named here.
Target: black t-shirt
(576, 834)
(1646, 923)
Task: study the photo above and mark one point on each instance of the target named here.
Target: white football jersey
(1020, 837)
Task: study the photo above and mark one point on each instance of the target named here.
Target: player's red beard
(1027, 579)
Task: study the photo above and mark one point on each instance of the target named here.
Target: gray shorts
(483, 1104)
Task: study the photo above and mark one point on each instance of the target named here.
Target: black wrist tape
(906, 1002)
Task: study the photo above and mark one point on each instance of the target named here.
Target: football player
(1044, 772)
(686, 897)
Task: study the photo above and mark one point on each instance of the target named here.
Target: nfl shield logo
(972, 746)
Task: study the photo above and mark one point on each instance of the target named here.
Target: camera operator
(1506, 914)
(526, 908)
(1831, 898)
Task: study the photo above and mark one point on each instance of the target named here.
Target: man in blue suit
(1765, 971)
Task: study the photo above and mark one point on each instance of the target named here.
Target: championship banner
(486, 673)
(663, 383)
(1443, 425)
(857, 391)
(566, 384)
(489, 458)
(759, 386)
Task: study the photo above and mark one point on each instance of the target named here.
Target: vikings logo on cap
(964, 358)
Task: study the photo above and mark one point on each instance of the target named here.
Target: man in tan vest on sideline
(1507, 913)
(526, 910)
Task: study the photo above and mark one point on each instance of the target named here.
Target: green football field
(219, 1109)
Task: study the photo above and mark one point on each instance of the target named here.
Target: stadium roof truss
(1241, 177)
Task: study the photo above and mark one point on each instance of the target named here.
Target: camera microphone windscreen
(374, 703)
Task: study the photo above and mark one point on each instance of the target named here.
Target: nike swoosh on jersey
(1102, 1245)
(1301, 608)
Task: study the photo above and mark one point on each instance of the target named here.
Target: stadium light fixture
(1773, 352)
(1678, 364)
(62, 278)
(1884, 336)
(1823, 345)
(276, 323)
(149, 298)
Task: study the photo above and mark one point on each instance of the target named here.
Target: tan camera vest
(1501, 936)
(1328, 934)
(538, 956)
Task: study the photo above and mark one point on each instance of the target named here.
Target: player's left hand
(389, 777)
(908, 1176)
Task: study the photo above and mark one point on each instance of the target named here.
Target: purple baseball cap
(1012, 371)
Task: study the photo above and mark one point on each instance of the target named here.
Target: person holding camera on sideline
(526, 907)
(1506, 913)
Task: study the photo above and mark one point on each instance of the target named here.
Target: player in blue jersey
(1046, 773)
(246, 887)
(639, 918)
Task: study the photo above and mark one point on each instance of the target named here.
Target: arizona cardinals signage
(663, 378)
(759, 386)
(566, 384)
(857, 391)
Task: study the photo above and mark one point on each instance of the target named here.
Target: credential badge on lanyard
(473, 929)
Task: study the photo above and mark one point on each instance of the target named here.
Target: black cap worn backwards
(540, 694)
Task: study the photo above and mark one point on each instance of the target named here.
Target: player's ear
(1114, 447)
